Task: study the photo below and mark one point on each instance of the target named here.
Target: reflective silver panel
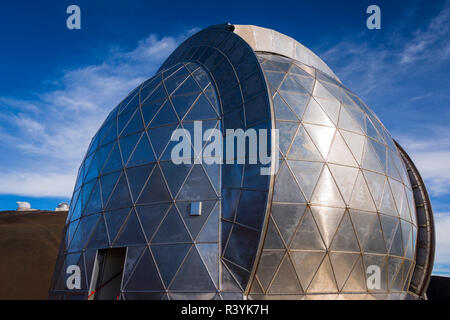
(356, 200)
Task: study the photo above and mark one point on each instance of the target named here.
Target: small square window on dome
(196, 209)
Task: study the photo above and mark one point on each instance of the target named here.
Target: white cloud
(431, 155)
(442, 254)
(364, 74)
(54, 129)
(421, 46)
(389, 61)
(42, 184)
(381, 73)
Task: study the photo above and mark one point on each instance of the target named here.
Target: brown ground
(29, 244)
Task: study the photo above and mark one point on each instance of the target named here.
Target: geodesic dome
(346, 202)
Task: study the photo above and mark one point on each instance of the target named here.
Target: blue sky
(57, 85)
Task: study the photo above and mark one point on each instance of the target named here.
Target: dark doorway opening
(107, 274)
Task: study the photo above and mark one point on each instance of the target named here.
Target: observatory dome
(62, 207)
(339, 218)
(23, 206)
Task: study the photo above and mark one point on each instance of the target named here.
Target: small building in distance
(63, 206)
(24, 206)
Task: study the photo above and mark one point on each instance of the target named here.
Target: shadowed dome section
(130, 194)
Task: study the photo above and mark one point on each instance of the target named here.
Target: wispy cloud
(40, 184)
(361, 74)
(54, 129)
(369, 66)
(442, 254)
(378, 70)
(431, 155)
(431, 42)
